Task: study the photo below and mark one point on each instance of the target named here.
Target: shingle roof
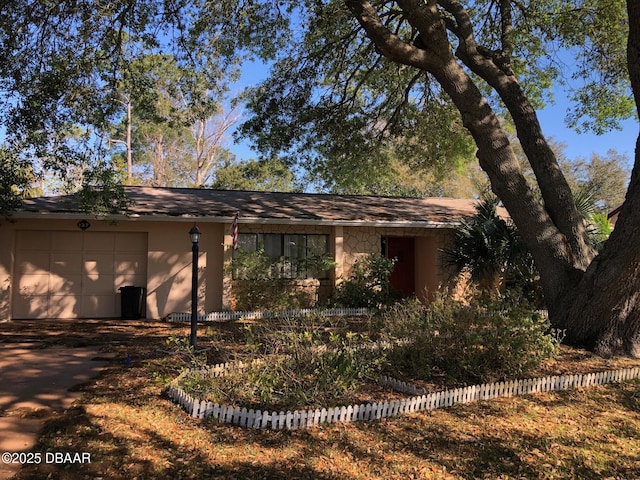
(270, 207)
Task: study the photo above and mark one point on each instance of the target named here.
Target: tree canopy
(71, 71)
(266, 176)
(332, 103)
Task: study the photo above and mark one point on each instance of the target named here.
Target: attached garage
(75, 274)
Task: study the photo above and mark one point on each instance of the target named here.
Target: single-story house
(57, 262)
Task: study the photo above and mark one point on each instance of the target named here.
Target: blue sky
(583, 145)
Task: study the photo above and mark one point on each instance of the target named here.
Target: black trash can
(132, 302)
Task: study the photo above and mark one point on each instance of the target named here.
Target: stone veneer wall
(361, 241)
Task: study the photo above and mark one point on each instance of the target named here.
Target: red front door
(403, 274)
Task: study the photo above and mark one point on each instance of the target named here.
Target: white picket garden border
(258, 315)
(420, 401)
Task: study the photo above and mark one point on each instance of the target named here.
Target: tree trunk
(603, 311)
(129, 142)
(159, 174)
(495, 69)
(548, 245)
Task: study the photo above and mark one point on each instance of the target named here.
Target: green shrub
(311, 362)
(184, 352)
(261, 284)
(368, 284)
(304, 366)
(493, 252)
(484, 341)
(272, 295)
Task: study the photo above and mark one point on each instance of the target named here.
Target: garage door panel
(67, 285)
(32, 262)
(130, 263)
(33, 240)
(98, 284)
(33, 284)
(131, 242)
(31, 306)
(98, 306)
(99, 242)
(63, 306)
(132, 280)
(66, 241)
(64, 263)
(76, 274)
(99, 263)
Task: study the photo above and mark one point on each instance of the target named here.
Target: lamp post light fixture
(194, 235)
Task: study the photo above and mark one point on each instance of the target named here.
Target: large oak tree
(595, 298)
(355, 77)
(381, 59)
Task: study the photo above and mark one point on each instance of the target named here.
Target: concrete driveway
(34, 382)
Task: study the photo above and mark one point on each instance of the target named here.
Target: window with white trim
(291, 255)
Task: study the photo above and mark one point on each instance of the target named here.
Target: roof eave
(242, 220)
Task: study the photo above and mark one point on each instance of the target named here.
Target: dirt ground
(43, 363)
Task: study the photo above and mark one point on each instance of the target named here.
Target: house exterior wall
(7, 258)
(430, 272)
(359, 242)
(168, 266)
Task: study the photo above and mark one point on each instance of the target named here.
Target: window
(291, 255)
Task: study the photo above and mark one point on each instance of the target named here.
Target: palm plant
(491, 250)
(598, 225)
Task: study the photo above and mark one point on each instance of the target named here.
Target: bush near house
(261, 282)
(368, 284)
(483, 340)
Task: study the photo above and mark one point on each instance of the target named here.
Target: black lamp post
(194, 235)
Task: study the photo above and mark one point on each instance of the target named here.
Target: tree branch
(387, 43)
(506, 24)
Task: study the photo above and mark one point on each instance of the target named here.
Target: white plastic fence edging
(420, 400)
(258, 315)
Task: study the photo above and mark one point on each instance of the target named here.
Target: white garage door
(75, 274)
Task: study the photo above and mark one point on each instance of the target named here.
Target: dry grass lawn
(133, 432)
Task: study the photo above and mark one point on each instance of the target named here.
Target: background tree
(15, 180)
(67, 67)
(208, 134)
(159, 123)
(391, 171)
(177, 125)
(258, 175)
(604, 177)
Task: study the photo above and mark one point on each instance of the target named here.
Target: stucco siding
(170, 268)
(49, 258)
(7, 248)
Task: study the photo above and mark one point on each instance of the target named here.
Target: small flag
(234, 231)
